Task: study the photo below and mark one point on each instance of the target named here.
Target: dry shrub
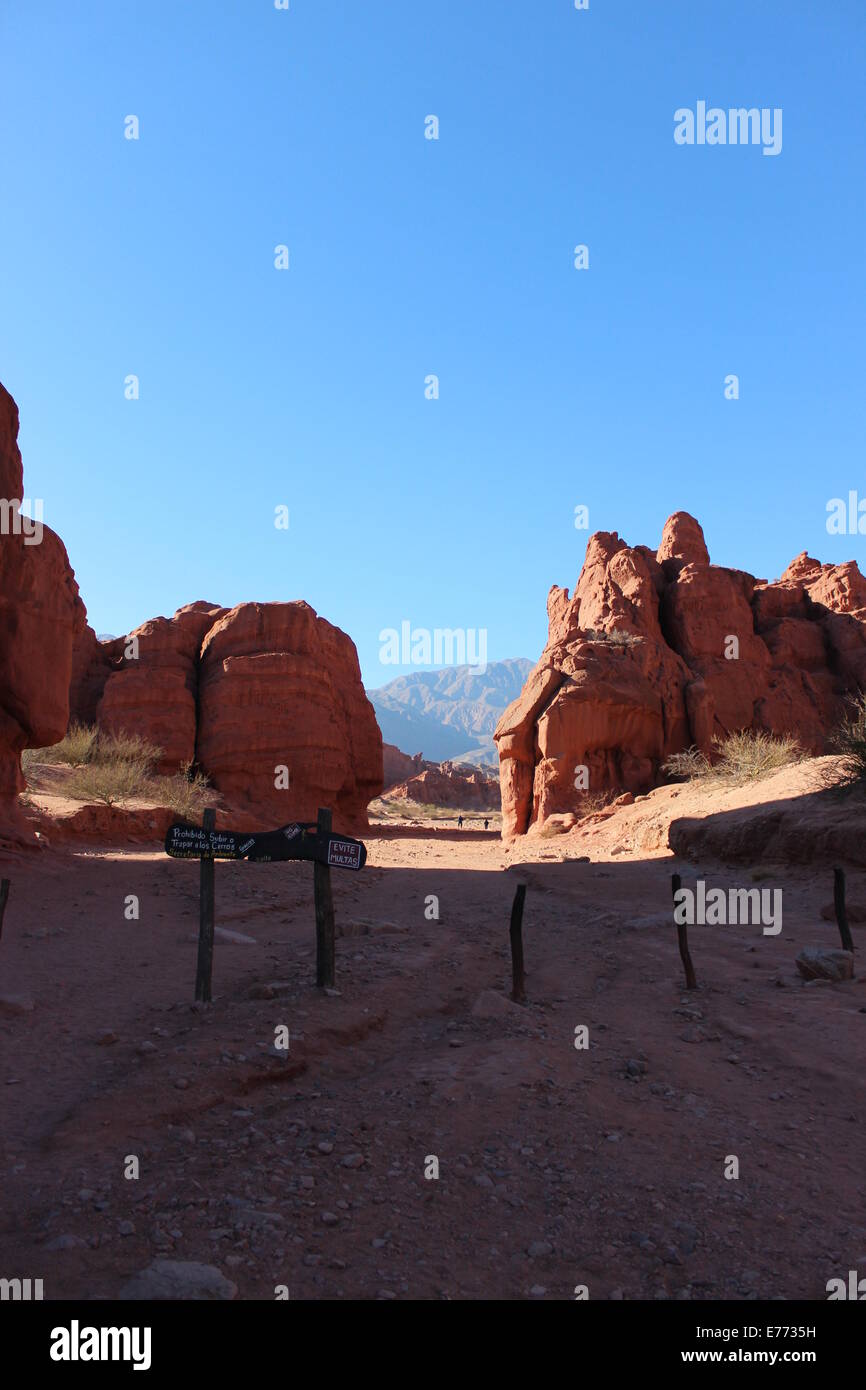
(108, 781)
(750, 754)
(744, 756)
(849, 741)
(186, 795)
(590, 803)
(77, 746)
(689, 764)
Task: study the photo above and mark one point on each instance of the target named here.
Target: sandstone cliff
(41, 617)
(659, 650)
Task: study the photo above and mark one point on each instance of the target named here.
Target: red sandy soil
(558, 1167)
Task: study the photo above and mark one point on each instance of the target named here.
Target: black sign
(300, 840)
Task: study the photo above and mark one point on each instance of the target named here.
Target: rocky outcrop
(266, 698)
(459, 785)
(658, 651)
(399, 766)
(41, 617)
(283, 721)
(153, 688)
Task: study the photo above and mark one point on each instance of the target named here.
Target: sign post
(204, 969)
(325, 929)
(299, 840)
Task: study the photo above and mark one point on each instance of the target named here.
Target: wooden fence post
(204, 970)
(518, 978)
(841, 914)
(325, 928)
(4, 894)
(683, 937)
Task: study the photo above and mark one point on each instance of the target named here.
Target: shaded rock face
(41, 618)
(640, 663)
(246, 693)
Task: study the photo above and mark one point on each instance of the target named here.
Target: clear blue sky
(408, 257)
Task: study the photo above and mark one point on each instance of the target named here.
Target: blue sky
(411, 257)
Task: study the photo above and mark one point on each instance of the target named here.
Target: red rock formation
(154, 689)
(281, 688)
(41, 616)
(244, 692)
(459, 785)
(639, 664)
(399, 766)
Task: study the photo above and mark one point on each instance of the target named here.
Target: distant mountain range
(449, 713)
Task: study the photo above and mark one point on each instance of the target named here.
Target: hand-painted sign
(299, 840)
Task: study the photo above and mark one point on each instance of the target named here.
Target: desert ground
(560, 1168)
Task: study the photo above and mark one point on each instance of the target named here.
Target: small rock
(65, 1243)
(353, 1161)
(329, 1218)
(15, 1004)
(539, 1248)
(178, 1279)
(821, 963)
(491, 1004)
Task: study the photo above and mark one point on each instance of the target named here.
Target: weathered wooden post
(325, 929)
(204, 970)
(683, 937)
(4, 895)
(841, 914)
(518, 978)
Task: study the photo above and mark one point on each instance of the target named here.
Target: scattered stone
(539, 1248)
(178, 1279)
(822, 963)
(15, 1004)
(67, 1242)
(353, 1161)
(491, 1004)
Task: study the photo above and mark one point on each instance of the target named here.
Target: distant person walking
(459, 822)
(486, 822)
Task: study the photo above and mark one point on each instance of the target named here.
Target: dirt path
(558, 1166)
